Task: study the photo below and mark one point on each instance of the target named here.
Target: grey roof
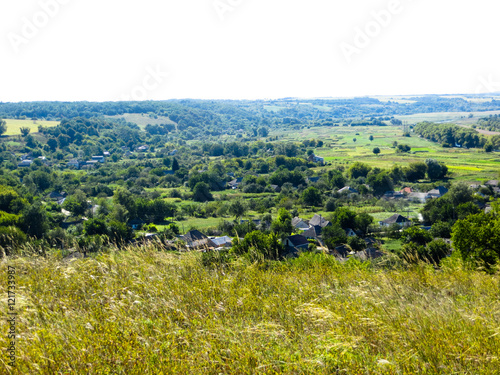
(440, 190)
(396, 218)
(298, 240)
(220, 241)
(347, 189)
(194, 235)
(310, 233)
(318, 220)
(492, 182)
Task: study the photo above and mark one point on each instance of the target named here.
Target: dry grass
(148, 311)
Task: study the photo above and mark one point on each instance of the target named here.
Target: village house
(25, 163)
(296, 241)
(437, 192)
(419, 197)
(235, 183)
(300, 224)
(396, 219)
(347, 190)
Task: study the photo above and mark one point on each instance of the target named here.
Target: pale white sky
(122, 49)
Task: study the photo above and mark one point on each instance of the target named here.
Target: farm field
(14, 125)
(341, 149)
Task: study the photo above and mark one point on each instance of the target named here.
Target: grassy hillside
(154, 312)
(14, 126)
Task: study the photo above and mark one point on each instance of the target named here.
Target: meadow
(14, 125)
(149, 311)
(469, 165)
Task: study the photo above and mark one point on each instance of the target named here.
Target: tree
(354, 140)
(119, 232)
(312, 196)
(488, 147)
(52, 143)
(380, 183)
(94, 227)
(376, 150)
(363, 221)
(477, 238)
(237, 208)
(175, 165)
(435, 170)
(333, 235)
(345, 218)
(201, 192)
(3, 126)
(371, 138)
(25, 131)
(415, 171)
(34, 220)
(76, 203)
(358, 169)
(258, 246)
(416, 235)
(283, 224)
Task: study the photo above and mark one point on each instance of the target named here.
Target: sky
(71, 50)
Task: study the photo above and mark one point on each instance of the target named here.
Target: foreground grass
(148, 312)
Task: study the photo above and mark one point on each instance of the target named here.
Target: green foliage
(201, 192)
(11, 238)
(258, 246)
(76, 203)
(376, 150)
(358, 169)
(477, 237)
(436, 170)
(416, 235)
(312, 196)
(3, 126)
(333, 235)
(34, 220)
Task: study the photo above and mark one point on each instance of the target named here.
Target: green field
(340, 149)
(14, 126)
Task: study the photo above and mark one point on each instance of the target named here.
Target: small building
(235, 183)
(25, 163)
(224, 241)
(406, 190)
(142, 148)
(437, 192)
(493, 183)
(316, 159)
(312, 180)
(319, 221)
(296, 241)
(341, 251)
(75, 163)
(300, 224)
(136, 223)
(396, 219)
(419, 197)
(350, 233)
(347, 190)
(172, 153)
(98, 158)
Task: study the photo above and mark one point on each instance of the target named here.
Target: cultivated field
(14, 126)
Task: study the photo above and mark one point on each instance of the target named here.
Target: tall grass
(146, 311)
